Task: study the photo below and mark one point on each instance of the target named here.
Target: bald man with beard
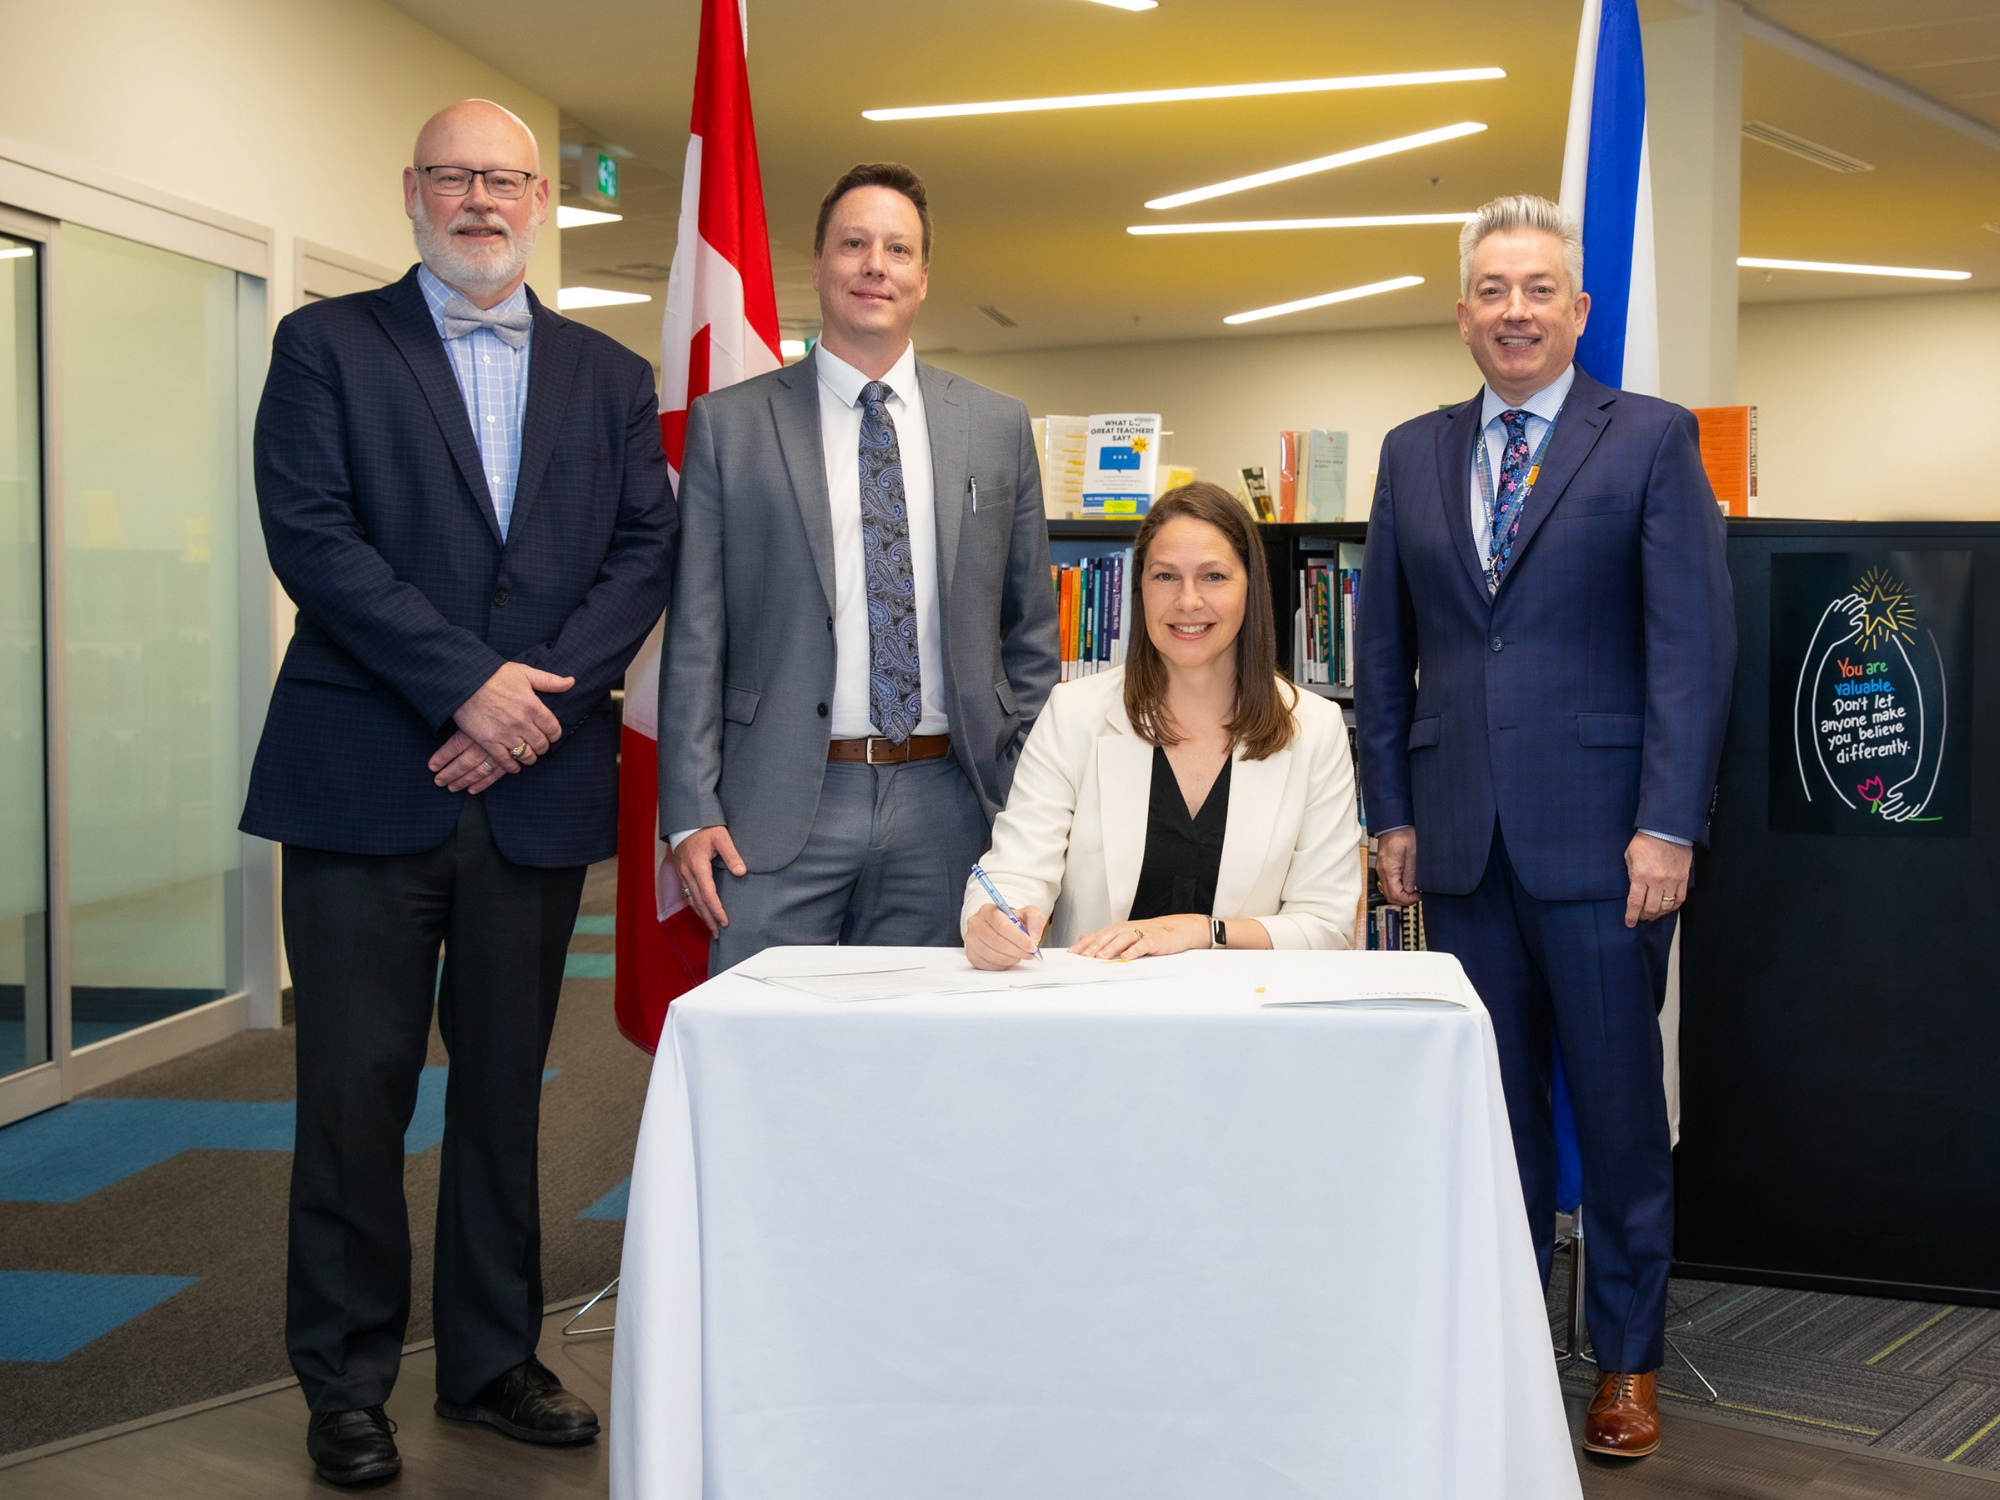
(465, 495)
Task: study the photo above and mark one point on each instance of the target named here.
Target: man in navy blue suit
(1546, 643)
(465, 495)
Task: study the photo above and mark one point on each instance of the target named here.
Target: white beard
(472, 272)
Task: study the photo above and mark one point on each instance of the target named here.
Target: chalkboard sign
(1840, 1027)
(1871, 673)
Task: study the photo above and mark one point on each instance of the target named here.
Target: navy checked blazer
(379, 525)
(1583, 701)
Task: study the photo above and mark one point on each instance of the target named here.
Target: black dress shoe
(528, 1403)
(353, 1447)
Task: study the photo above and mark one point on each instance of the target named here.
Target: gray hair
(1522, 211)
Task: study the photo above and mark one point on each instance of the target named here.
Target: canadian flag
(721, 327)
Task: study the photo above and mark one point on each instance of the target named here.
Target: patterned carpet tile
(1951, 1424)
(1952, 1346)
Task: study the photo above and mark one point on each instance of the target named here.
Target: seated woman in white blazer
(1191, 798)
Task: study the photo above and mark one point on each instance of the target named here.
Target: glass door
(27, 1033)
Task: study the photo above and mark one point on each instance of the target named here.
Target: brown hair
(888, 174)
(1263, 721)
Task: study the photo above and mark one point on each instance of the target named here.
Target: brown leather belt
(881, 752)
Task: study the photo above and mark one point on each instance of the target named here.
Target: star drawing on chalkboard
(1886, 608)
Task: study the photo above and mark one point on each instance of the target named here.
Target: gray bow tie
(461, 317)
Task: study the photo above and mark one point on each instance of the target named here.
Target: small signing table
(1222, 1226)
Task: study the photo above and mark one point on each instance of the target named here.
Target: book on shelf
(1323, 625)
(1729, 454)
(1312, 475)
(1093, 604)
(1062, 445)
(1255, 493)
(1121, 465)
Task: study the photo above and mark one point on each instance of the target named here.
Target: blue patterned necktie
(1509, 495)
(895, 690)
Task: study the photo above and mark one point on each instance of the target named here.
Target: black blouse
(1183, 854)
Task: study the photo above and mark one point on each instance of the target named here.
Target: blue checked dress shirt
(493, 378)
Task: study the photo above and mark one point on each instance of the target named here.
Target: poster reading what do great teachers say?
(1871, 706)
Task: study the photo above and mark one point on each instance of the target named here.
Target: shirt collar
(1545, 403)
(838, 376)
(437, 294)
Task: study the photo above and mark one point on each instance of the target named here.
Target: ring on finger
(520, 750)
(486, 765)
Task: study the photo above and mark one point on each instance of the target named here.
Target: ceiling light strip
(570, 298)
(1246, 226)
(1760, 263)
(1374, 288)
(1175, 96)
(1320, 164)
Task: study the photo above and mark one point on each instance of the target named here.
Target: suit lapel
(406, 318)
(1456, 435)
(1255, 789)
(951, 465)
(795, 412)
(1579, 425)
(1124, 795)
(551, 368)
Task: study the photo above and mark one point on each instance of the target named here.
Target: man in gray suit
(863, 629)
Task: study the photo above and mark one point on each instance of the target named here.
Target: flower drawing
(1871, 789)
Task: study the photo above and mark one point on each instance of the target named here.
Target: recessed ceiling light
(1129, 4)
(1240, 226)
(1171, 96)
(577, 218)
(572, 297)
(1320, 164)
(16, 252)
(1758, 262)
(1374, 288)
(792, 348)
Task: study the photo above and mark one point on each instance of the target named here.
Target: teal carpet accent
(49, 1315)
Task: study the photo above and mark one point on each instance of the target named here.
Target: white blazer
(1073, 834)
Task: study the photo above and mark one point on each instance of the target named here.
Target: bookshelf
(1288, 548)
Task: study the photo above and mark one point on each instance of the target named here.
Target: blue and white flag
(1607, 183)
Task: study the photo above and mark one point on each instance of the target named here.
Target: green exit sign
(607, 175)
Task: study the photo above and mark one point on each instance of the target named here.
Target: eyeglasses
(456, 182)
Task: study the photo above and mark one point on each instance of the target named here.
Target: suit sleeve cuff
(1652, 833)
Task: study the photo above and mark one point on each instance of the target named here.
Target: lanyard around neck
(1483, 469)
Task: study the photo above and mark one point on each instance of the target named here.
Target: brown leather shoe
(1624, 1417)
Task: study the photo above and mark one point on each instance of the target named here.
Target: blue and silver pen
(1000, 901)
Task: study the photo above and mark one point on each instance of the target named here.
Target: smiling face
(1193, 590)
(477, 244)
(870, 275)
(1522, 318)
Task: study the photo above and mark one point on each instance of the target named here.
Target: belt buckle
(869, 753)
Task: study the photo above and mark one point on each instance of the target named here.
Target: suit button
(1498, 643)
(829, 622)
(822, 710)
(501, 597)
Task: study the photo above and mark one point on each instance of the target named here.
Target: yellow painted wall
(1875, 409)
(297, 115)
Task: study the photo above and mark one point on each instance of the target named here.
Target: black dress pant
(363, 934)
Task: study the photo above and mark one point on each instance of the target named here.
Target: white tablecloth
(1125, 1241)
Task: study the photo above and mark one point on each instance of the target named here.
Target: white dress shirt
(840, 435)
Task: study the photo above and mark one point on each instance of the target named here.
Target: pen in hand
(999, 901)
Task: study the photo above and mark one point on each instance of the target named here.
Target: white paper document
(836, 974)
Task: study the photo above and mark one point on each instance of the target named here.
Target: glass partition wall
(24, 974)
(126, 374)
